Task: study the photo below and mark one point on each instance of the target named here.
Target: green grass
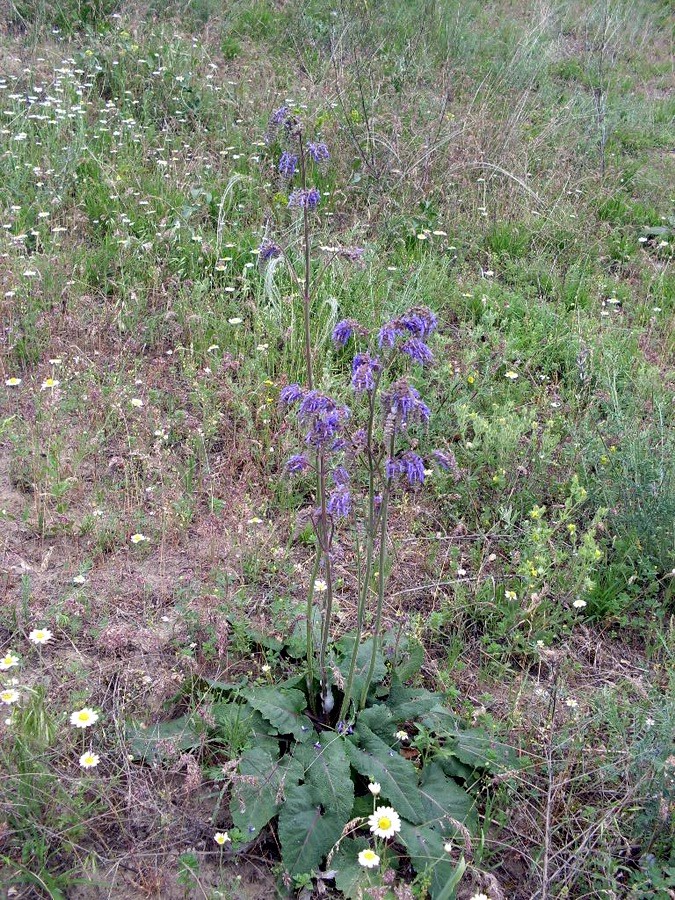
(508, 167)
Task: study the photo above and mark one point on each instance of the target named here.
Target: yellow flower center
(83, 717)
(384, 823)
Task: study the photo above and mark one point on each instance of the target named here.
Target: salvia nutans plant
(366, 780)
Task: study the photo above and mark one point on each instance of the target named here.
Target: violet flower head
(412, 466)
(318, 151)
(339, 502)
(313, 197)
(279, 116)
(446, 460)
(325, 419)
(418, 351)
(314, 402)
(340, 476)
(364, 369)
(420, 321)
(403, 405)
(343, 331)
(353, 254)
(268, 250)
(297, 464)
(309, 198)
(389, 333)
(392, 468)
(360, 439)
(291, 394)
(287, 164)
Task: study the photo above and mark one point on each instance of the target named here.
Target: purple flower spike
(268, 250)
(340, 502)
(446, 460)
(291, 394)
(420, 321)
(353, 254)
(412, 466)
(418, 351)
(297, 464)
(304, 198)
(279, 116)
(343, 331)
(313, 197)
(287, 164)
(392, 468)
(340, 476)
(389, 333)
(364, 368)
(318, 151)
(403, 405)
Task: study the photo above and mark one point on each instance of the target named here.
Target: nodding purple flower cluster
(408, 464)
(323, 416)
(418, 351)
(268, 250)
(305, 197)
(297, 464)
(418, 322)
(318, 151)
(446, 460)
(279, 116)
(291, 394)
(364, 369)
(402, 406)
(339, 502)
(288, 164)
(344, 330)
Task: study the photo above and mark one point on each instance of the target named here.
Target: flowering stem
(306, 295)
(370, 536)
(310, 638)
(380, 583)
(324, 548)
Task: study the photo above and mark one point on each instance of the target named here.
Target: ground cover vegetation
(336, 449)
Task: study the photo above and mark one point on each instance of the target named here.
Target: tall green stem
(306, 294)
(370, 542)
(381, 581)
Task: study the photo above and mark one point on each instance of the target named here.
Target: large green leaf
(408, 704)
(239, 726)
(363, 655)
(314, 814)
(307, 832)
(258, 792)
(443, 799)
(412, 662)
(426, 852)
(351, 879)
(379, 718)
(475, 748)
(328, 774)
(283, 709)
(160, 741)
(375, 759)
